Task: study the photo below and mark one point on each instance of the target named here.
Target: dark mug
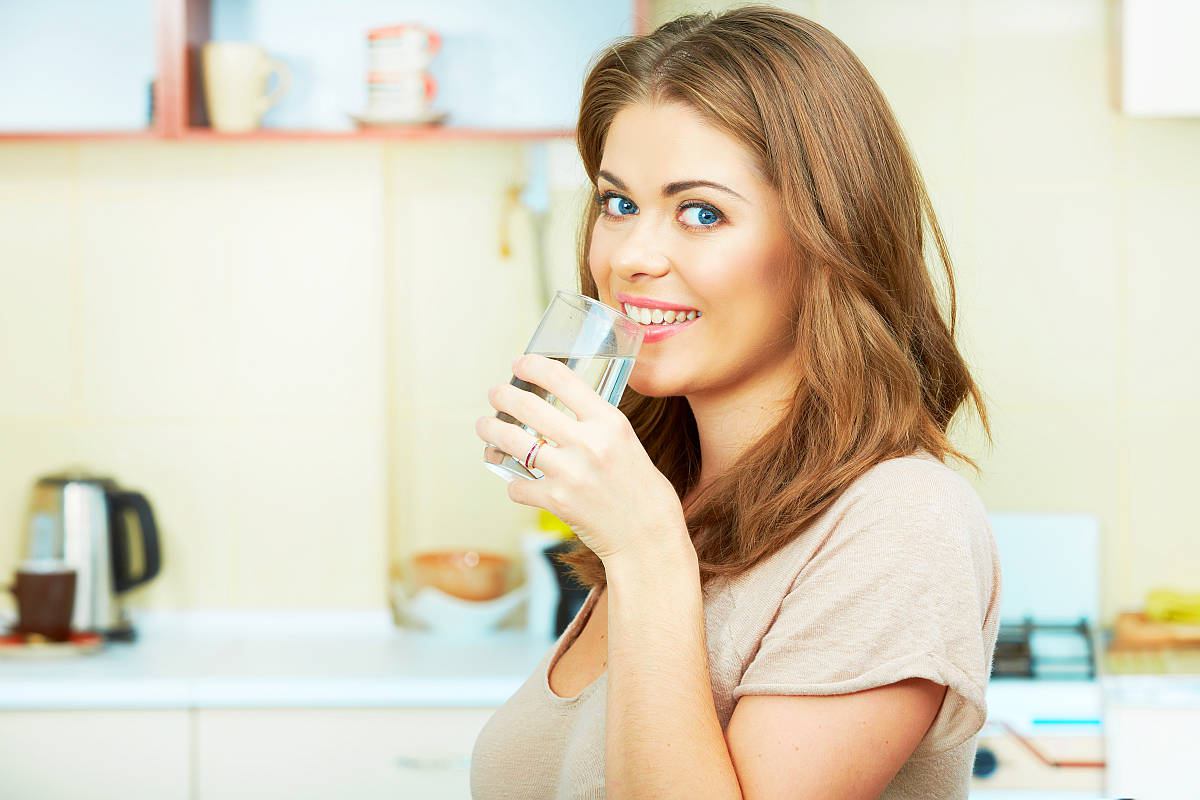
(45, 600)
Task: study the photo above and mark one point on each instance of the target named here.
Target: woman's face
(668, 232)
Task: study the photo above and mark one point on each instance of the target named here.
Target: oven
(1044, 735)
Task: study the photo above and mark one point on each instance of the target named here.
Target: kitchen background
(284, 341)
(286, 344)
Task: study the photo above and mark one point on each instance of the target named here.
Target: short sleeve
(906, 585)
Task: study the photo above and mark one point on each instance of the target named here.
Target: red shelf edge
(434, 133)
(77, 136)
(438, 133)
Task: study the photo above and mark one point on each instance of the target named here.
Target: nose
(639, 253)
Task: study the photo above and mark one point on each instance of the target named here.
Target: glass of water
(598, 342)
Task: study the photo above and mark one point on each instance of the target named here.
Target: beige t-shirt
(899, 578)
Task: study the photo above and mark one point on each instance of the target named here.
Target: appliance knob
(985, 762)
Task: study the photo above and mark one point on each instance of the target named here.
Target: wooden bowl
(467, 574)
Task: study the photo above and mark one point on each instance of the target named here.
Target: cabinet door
(302, 754)
(1148, 750)
(100, 755)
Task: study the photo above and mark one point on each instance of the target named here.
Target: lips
(651, 303)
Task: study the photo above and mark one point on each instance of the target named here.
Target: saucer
(34, 645)
(366, 120)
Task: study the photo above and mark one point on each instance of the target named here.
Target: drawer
(1151, 751)
(303, 754)
(100, 755)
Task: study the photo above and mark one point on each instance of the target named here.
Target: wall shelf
(181, 27)
(78, 136)
(416, 133)
(422, 133)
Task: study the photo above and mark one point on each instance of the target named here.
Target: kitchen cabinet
(1159, 58)
(1146, 756)
(216, 754)
(309, 754)
(98, 755)
(1149, 722)
(228, 705)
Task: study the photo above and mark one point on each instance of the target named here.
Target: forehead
(649, 144)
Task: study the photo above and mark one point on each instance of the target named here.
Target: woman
(791, 594)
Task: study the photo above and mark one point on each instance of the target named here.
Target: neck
(731, 418)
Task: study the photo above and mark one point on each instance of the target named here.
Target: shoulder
(908, 515)
(915, 504)
(917, 482)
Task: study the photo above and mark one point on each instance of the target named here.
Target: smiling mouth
(657, 316)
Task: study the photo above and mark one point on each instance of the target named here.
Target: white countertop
(1167, 690)
(276, 659)
(234, 659)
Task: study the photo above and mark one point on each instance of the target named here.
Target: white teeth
(658, 316)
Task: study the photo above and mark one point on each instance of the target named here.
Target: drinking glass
(598, 342)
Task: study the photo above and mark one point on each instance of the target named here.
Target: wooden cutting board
(1133, 631)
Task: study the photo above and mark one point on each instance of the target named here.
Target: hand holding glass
(598, 342)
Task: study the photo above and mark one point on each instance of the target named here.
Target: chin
(648, 384)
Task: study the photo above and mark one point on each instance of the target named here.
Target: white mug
(397, 48)
(401, 95)
(236, 76)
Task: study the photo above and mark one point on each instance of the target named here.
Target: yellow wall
(286, 345)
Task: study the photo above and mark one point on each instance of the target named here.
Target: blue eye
(622, 207)
(705, 216)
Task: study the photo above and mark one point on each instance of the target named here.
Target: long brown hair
(881, 374)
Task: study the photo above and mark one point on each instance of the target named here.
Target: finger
(563, 382)
(533, 410)
(514, 440)
(527, 493)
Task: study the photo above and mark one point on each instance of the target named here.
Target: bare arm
(663, 736)
(845, 746)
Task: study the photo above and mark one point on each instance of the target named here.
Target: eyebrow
(674, 187)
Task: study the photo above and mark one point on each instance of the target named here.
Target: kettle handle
(123, 579)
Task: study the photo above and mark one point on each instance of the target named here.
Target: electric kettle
(83, 520)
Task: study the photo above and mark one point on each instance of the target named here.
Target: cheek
(598, 259)
(745, 287)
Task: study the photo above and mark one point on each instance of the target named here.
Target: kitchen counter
(235, 659)
(1165, 689)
